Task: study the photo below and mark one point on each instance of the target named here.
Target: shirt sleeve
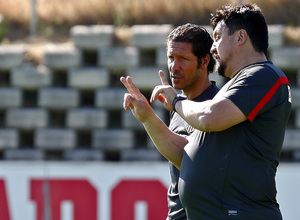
(254, 90)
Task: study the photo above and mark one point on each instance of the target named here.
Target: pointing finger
(162, 77)
(124, 82)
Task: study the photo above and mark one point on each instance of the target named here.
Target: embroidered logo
(232, 212)
(189, 129)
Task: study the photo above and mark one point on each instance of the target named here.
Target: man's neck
(246, 61)
(193, 93)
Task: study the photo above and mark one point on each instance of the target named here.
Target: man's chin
(178, 87)
(221, 70)
(175, 85)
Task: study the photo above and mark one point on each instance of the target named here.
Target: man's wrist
(176, 99)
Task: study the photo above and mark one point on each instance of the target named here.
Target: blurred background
(56, 17)
(61, 99)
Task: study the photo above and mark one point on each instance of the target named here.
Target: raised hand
(136, 101)
(165, 93)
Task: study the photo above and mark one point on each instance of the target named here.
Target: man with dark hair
(189, 63)
(228, 171)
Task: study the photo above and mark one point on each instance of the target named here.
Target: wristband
(176, 99)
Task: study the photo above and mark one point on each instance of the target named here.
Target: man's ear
(242, 37)
(205, 61)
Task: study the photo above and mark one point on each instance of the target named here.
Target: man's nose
(213, 49)
(175, 65)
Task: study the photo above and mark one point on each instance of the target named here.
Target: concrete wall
(70, 105)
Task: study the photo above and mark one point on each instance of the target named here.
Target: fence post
(33, 18)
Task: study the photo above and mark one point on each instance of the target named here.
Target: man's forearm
(168, 143)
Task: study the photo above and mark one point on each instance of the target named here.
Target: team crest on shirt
(189, 129)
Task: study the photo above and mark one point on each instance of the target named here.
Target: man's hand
(165, 93)
(136, 101)
(168, 143)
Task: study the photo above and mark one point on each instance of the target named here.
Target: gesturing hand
(136, 101)
(165, 93)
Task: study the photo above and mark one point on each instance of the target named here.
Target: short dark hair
(248, 17)
(199, 38)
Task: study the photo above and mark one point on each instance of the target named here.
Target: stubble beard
(221, 67)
